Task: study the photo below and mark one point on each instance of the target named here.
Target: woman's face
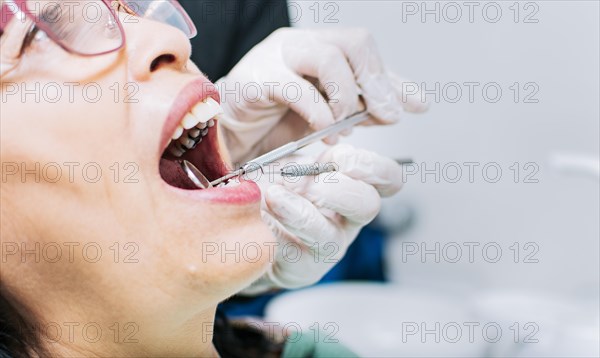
(88, 221)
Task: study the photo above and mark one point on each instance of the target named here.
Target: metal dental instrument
(290, 148)
(314, 169)
(290, 171)
(195, 175)
(303, 170)
(405, 161)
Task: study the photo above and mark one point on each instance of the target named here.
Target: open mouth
(194, 140)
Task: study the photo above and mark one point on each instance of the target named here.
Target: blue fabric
(363, 261)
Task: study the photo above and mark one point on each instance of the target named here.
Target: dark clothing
(228, 29)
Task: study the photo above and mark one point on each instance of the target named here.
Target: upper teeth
(194, 126)
(198, 116)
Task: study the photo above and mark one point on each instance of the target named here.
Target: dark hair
(242, 340)
(19, 338)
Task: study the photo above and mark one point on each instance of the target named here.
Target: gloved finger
(360, 49)
(276, 227)
(355, 200)
(381, 172)
(285, 237)
(409, 94)
(306, 101)
(297, 264)
(294, 268)
(331, 68)
(286, 271)
(300, 217)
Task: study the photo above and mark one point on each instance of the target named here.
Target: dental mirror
(195, 175)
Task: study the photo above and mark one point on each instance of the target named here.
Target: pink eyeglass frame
(6, 14)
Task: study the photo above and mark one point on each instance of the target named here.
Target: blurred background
(492, 248)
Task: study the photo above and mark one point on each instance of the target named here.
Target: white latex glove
(317, 218)
(277, 76)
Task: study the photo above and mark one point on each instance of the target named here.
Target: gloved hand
(270, 98)
(315, 219)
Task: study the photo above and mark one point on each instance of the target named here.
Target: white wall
(559, 215)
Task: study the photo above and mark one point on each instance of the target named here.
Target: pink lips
(194, 92)
(247, 192)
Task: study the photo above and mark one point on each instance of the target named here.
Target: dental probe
(303, 170)
(314, 169)
(289, 171)
(404, 162)
(290, 148)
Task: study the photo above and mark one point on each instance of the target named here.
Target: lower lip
(246, 193)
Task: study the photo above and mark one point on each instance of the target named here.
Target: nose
(152, 46)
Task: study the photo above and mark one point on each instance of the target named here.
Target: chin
(225, 265)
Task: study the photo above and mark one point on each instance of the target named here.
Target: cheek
(61, 121)
(47, 59)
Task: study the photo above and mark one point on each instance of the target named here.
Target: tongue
(173, 174)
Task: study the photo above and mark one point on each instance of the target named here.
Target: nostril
(160, 60)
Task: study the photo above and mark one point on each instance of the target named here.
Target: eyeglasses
(92, 27)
